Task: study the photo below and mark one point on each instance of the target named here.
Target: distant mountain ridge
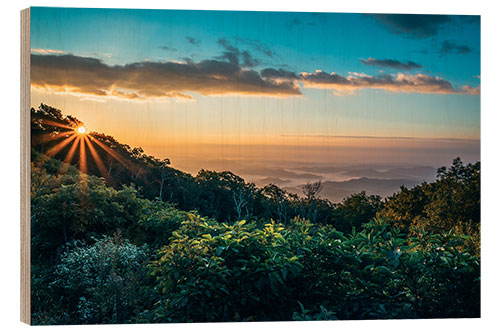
(336, 191)
(424, 173)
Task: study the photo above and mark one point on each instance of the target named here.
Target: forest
(119, 236)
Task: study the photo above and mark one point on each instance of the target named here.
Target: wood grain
(25, 168)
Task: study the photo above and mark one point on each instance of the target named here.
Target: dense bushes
(105, 282)
(220, 272)
(76, 206)
(75, 218)
(216, 272)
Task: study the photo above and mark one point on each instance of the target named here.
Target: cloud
(409, 65)
(402, 83)
(413, 25)
(87, 76)
(167, 48)
(142, 80)
(471, 90)
(47, 51)
(278, 74)
(258, 46)
(192, 40)
(236, 56)
(320, 79)
(297, 21)
(451, 47)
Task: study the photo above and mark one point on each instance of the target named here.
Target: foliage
(76, 207)
(451, 203)
(456, 197)
(156, 223)
(356, 210)
(379, 273)
(155, 244)
(104, 282)
(224, 192)
(217, 272)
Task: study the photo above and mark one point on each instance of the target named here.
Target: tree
(279, 202)
(311, 190)
(406, 206)
(355, 210)
(224, 195)
(75, 206)
(312, 204)
(161, 167)
(456, 197)
(452, 201)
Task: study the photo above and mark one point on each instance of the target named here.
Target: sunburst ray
(97, 159)
(111, 152)
(56, 124)
(43, 138)
(57, 148)
(83, 156)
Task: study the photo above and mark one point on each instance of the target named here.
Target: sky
(274, 86)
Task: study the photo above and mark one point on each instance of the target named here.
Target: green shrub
(104, 282)
(156, 223)
(219, 272)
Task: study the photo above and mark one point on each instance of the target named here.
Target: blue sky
(340, 74)
(303, 41)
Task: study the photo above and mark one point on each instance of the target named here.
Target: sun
(80, 138)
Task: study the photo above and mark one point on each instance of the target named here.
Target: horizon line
(376, 137)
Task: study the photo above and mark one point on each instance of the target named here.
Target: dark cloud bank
(236, 56)
(390, 63)
(152, 79)
(405, 83)
(230, 73)
(451, 47)
(413, 25)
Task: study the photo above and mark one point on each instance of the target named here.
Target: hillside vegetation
(134, 240)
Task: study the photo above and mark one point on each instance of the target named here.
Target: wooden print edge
(25, 275)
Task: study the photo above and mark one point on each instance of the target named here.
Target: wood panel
(25, 168)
